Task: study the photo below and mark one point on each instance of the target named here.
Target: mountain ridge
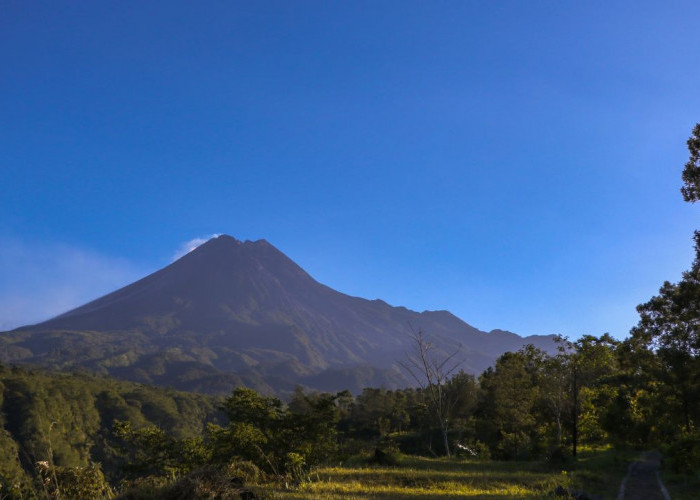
(232, 312)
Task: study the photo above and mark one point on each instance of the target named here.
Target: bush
(514, 445)
(15, 489)
(387, 453)
(246, 470)
(684, 453)
(74, 482)
(482, 450)
(205, 483)
(296, 469)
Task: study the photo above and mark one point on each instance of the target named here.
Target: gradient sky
(515, 162)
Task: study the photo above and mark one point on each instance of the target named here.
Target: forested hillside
(67, 419)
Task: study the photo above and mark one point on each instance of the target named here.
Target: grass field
(596, 472)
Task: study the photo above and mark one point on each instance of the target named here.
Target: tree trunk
(445, 441)
(574, 433)
(559, 430)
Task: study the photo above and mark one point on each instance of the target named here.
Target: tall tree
(591, 359)
(554, 387)
(669, 323)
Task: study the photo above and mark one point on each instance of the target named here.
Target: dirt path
(642, 481)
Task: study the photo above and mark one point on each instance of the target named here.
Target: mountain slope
(234, 312)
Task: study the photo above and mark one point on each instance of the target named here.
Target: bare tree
(432, 371)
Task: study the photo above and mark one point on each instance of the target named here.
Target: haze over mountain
(233, 312)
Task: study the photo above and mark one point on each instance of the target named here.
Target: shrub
(246, 470)
(387, 453)
(296, 468)
(74, 482)
(205, 483)
(684, 453)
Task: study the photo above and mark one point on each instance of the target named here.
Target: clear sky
(515, 162)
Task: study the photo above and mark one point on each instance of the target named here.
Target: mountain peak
(226, 241)
(225, 237)
(222, 239)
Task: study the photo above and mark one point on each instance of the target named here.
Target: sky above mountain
(517, 163)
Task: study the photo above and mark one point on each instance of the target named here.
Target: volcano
(242, 313)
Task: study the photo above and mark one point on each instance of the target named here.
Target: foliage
(78, 483)
(66, 420)
(691, 172)
(152, 451)
(273, 437)
(208, 482)
(662, 357)
(684, 452)
(507, 401)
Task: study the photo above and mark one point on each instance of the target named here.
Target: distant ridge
(233, 312)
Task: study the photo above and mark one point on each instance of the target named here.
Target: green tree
(555, 389)
(273, 437)
(463, 390)
(691, 172)
(590, 361)
(667, 338)
(669, 323)
(508, 396)
(310, 429)
(253, 432)
(152, 451)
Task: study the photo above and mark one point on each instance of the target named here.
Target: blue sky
(517, 163)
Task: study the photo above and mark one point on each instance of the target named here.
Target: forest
(79, 435)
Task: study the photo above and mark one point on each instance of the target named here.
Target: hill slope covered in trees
(68, 419)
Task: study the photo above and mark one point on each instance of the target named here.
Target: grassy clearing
(596, 471)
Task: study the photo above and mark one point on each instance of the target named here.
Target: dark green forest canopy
(68, 417)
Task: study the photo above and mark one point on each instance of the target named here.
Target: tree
(669, 323)
(310, 425)
(592, 359)
(554, 387)
(670, 326)
(509, 392)
(432, 371)
(463, 390)
(152, 451)
(691, 172)
(273, 437)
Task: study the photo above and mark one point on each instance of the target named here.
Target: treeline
(529, 405)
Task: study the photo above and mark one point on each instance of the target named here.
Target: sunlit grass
(597, 471)
(431, 478)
